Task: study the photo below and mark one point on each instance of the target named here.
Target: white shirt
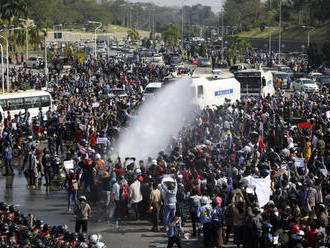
(115, 190)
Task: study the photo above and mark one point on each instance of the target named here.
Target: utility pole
(222, 51)
(279, 34)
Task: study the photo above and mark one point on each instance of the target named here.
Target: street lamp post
(7, 77)
(308, 34)
(279, 33)
(46, 65)
(222, 51)
(7, 55)
(182, 21)
(2, 74)
(26, 37)
(97, 28)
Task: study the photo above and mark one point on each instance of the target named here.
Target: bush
(25, 86)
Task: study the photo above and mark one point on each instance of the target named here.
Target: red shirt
(311, 236)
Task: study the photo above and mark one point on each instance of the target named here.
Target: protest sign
(102, 141)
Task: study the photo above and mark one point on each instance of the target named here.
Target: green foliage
(202, 50)
(25, 86)
(146, 43)
(133, 34)
(170, 34)
(326, 52)
(314, 58)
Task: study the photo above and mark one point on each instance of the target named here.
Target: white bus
(30, 100)
(255, 83)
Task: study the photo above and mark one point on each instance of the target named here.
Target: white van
(151, 89)
(214, 90)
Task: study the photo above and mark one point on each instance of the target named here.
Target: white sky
(215, 4)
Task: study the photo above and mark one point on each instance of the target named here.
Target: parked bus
(19, 102)
(255, 83)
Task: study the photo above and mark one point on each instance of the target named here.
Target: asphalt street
(50, 205)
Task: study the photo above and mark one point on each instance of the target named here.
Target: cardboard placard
(82, 127)
(168, 178)
(324, 172)
(95, 105)
(300, 162)
(102, 141)
(82, 150)
(68, 164)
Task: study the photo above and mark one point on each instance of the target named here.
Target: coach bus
(30, 100)
(255, 83)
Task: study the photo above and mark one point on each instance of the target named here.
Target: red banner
(304, 124)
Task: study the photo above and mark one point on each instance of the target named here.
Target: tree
(170, 34)
(314, 58)
(326, 52)
(11, 9)
(133, 34)
(202, 50)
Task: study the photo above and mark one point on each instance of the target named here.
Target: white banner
(103, 141)
(300, 162)
(95, 104)
(262, 189)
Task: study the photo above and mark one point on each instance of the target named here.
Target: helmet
(46, 227)
(93, 239)
(138, 171)
(300, 233)
(4, 228)
(100, 245)
(39, 223)
(82, 198)
(97, 156)
(295, 228)
(19, 220)
(204, 200)
(74, 236)
(82, 237)
(83, 140)
(12, 208)
(14, 228)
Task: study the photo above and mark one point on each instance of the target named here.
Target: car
(306, 85)
(239, 67)
(117, 93)
(34, 62)
(315, 76)
(325, 81)
(175, 59)
(204, 62)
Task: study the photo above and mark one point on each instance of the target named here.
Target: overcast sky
(215, 4)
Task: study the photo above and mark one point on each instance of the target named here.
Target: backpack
(79, 210)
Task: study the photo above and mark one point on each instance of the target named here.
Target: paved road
(51, 206)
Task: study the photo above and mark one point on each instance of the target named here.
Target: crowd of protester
(200, 178)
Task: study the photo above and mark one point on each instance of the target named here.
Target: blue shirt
(205, 214)
(176, 229)
(217, 217)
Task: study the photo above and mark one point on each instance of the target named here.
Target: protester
(82, 212)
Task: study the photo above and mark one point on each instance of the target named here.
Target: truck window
(200, 91)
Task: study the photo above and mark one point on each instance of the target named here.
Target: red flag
(304, 124)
